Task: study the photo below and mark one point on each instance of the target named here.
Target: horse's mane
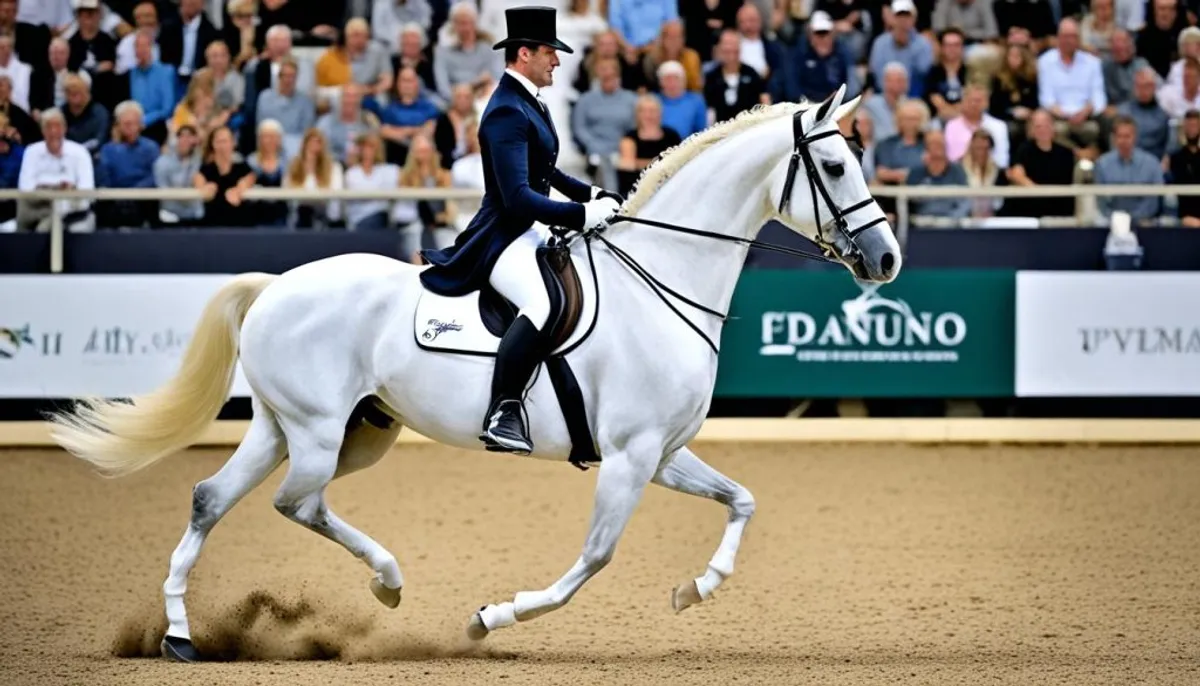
(672, 159)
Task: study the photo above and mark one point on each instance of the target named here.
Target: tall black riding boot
(519, 354)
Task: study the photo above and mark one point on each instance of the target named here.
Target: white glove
(597, 212)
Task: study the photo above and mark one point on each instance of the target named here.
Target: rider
(519, 146)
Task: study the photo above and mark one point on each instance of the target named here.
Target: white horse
(318, 340)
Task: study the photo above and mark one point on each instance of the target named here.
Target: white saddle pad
(454, 325)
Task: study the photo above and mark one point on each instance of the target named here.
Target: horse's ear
(830, 105)
(847, 108)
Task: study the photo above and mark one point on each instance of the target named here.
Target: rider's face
(542, 62)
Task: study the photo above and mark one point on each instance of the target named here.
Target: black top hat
(531, 26)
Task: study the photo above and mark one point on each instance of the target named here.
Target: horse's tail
(119, 438)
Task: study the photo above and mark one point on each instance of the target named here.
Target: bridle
(800, 152)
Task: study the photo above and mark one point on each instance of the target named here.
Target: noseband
(800, 152)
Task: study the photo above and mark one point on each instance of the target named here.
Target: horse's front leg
(619, 486)
(684, 472)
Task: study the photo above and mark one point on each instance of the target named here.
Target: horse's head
(823, 194)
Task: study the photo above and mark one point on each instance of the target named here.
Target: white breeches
(516, 276)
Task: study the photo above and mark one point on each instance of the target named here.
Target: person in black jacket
(1185, 167)
(174, 46)
(28, 131)
(732, 87)
(32, 41)
(95, 52)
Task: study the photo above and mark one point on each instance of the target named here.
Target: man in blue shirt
(152, 85)
(127, 162)
(1071, 87)
(682, 110)
(11, 155)
(905, 45)
(637, 22)
(1128, 164)
(936, 169)
(820, 64)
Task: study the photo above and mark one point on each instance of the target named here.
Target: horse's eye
(834, 169)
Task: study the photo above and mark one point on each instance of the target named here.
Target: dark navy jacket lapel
(533, 102)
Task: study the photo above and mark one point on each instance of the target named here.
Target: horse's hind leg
(259, 453)
(684, 472)
(366, 442)
(623, 478)
(321, 451)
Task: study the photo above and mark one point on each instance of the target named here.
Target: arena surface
(883, 564)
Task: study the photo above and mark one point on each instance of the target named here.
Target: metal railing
(902, 194)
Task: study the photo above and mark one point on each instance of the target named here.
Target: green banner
(938, 333)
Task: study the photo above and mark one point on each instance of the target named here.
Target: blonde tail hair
(119, 438)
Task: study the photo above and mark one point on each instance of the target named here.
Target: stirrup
(520, 443)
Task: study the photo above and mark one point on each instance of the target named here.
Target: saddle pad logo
(437, 327)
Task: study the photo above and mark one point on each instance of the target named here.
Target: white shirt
(73, 165)
(191, 34)
(52, 13)
(533, 90)
(333, 208)
(382, 176)
(18, 72)
(467, 172)
(1175, 103)
(754, 53)
(1070, 86)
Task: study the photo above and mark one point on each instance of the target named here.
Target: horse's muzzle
(879, 254)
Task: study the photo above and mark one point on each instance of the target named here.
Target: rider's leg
(517, 277)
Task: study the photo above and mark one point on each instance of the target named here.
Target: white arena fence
(1085, 195)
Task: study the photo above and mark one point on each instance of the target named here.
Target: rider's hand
(596, 212)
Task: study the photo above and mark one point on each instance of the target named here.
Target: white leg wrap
(708, 583)
(177, 623)
(498, 616)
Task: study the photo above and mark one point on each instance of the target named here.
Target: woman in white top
(578, 26)
(371, 173)
(315, 169)
(1189, 46)
(467, 172)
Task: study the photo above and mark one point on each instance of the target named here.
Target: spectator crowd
(378, 94)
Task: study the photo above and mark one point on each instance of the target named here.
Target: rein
(800, 152)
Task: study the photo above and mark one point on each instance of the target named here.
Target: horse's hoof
(476, 631)
(387, 596)
(179, 649)
(685, 596)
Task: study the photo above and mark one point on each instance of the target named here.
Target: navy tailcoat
(519, 147)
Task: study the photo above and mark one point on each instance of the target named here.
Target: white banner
(67, 336)
(1108, 334)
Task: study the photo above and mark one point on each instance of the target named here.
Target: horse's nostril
(887, 262)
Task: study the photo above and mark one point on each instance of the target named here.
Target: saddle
(473, 324)
(563, 286)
